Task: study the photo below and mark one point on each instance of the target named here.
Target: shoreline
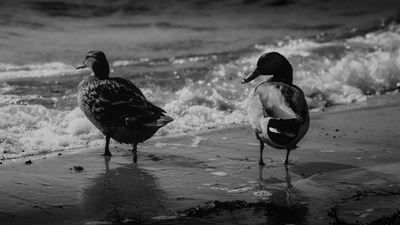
(388, 98)
(348, 159)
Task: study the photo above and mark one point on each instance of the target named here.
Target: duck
(116, 106)
(277, 110)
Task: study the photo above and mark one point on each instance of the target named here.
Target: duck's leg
(134, 150)
(287, 156)
(107, 149)
(260, 159)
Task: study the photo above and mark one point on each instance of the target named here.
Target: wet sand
(349, 159)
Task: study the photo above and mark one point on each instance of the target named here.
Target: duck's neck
(101, 71)
(285, 74)
(284, 78)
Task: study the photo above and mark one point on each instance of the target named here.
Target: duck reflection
(107, 163)
(287, 205)
(124, 191)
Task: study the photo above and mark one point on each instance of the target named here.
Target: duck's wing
(124, 103)
(282, 101)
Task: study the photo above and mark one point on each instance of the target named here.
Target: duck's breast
(93, 106)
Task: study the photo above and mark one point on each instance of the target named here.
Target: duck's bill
(251, 76)
(81, 66)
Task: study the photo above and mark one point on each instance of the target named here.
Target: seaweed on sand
(393, 219)
(276, 213)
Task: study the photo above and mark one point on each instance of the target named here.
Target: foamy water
(197, 82)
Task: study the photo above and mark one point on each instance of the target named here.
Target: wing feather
(122, 101)
(281, 100)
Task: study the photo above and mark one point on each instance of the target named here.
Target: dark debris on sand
(216, 206)
(77, 168)
(278, 213)
(393, 219)
(275, 213)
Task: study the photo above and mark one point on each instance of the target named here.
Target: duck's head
(274, 64)
(97, 62)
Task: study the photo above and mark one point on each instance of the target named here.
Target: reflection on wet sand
(287, 205)
(126, 193)
(106, 162)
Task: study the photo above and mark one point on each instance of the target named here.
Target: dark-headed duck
(278, 110)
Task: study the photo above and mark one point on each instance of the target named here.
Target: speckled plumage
(116, 106)
(278, 110)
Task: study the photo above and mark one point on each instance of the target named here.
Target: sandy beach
(348, 160)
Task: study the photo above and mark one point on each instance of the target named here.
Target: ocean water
(186, 56)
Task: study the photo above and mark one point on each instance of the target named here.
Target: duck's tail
(162, 121)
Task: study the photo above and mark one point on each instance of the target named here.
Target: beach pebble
(222, 174)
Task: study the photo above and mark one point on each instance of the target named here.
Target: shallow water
(188, 57)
